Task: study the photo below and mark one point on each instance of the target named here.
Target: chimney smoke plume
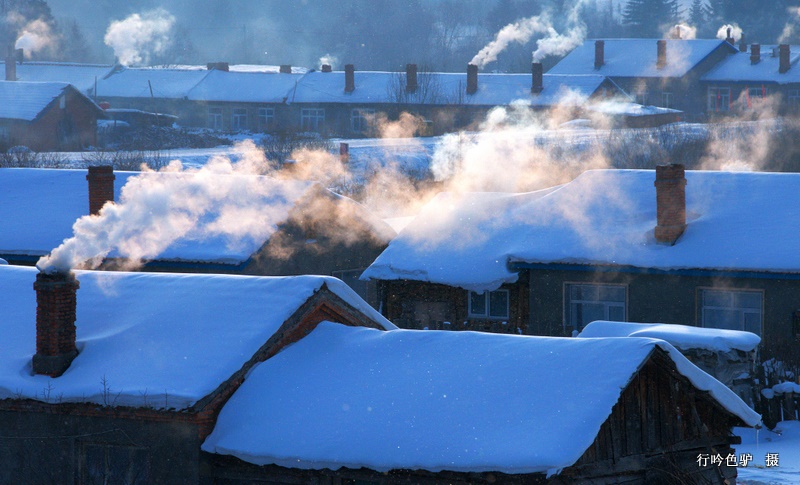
(139, 36)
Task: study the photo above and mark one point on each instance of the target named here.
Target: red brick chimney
(326, 68)
(411, 78)
(537, 78)
(742, 44)
(784, 56)
(349, 78)
(661, 60)
(755, 53)
(11, 65)
(472, 79)
(670, 202)
(599, 53)
(101, 187)
(56, 303)
(285, 69)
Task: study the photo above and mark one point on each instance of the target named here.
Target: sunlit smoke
(520, 32)
(789, 28)
(329, 60)
(555, 44)
(36, 36)
(736, 31)
(139, 36)
(681, 31)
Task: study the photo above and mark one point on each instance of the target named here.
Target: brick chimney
(349, 78)
(661, 60)
(56, 303)
(730, 40)
(742, 44)
(344, 152)
(472, 79)
(326, 68)
(285, 69)
(11, 65)
(411, 78)
(784, 56)
(537, 78)
(101, 187)
(670, 202)
(599, 53)
(755, 53)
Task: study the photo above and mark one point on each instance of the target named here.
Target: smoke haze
(139, 36)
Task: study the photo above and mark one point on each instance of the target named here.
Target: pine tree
(648, 18)
(698, 14)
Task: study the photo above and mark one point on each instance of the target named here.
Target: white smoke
(36, 36)
(682, 31)
(736, 32)
(139, 36)
(329, 60)
(555, 44)
(520, 31)
(789, 28)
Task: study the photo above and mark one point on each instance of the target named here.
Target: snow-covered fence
(780, 403)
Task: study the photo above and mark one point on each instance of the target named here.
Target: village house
(46, 116)
(82, 76)
(765, 77)
(709, 249)
(663, 73)
(302, 227)
(114, 377)
(363, 406)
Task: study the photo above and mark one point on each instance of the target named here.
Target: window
(489, 304)
(666, 100)
(585, 303)
(732, 309)
(104, 463)
(793, 99)
(641, 97)
(755, 95)
(239, 119)
(311, 119)
(719, 99)
(266, 118)
(359, 119)
(215, 118)
(5, 135)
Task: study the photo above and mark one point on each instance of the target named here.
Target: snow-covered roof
(458, 401)
(743, 221)
(26, 100)
(250, 87)
(738, 68)
(137, 82)
(637, 57)
(442, 88)
(82, 76)
(40, 206)
(156, 339)
(621, 108)
(683, 337)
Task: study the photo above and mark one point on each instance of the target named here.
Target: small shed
(469, 407)
(730, 356)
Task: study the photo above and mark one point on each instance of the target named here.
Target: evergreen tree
(649, 18)
(698, 14)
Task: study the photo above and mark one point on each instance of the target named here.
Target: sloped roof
(681, 336)
(26, 100)
(136, 83)
(745, 221)
(82, 76)
(38, 208)
(739, 69)
(637, 57)
(157, 340)
(436, 400)
(250, 87)
(442, 88)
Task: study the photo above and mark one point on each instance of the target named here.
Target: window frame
(567, 301)
(716, 99)
(215, 114)
(358, 122)
(666, 99)
(311, 119)
(793, 99)
(487, 314)
(239, 119)
(265, 117)
(701, 307)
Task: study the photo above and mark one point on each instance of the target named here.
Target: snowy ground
(784, 442)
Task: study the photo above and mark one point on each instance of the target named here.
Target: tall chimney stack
(101, 187)
(670, 202)
(11, 65)
(730, 40)
(742, 44)
(56, 304)
(411, 78)
(785, 55)
(661, 60)
(537, 78)
(599, 53)
(349, 78)
(472, 79)
(755, 53)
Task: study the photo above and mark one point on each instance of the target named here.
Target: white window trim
(715, 92)
(357, 115)
(701, 306)
(236, 119)
(566, 300)
(215, 113)
(486, 316)
(266, 117)
(313, 117)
